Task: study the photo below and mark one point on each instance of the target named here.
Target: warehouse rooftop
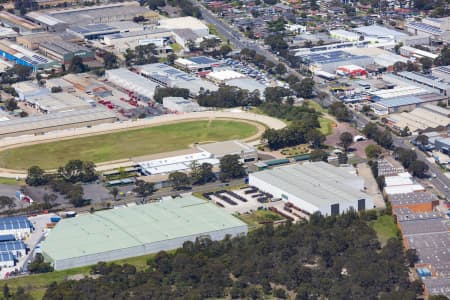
(320, 182)
(128, 227)
(434, 240)
(17, 126)
(412, 198)
(412, 227)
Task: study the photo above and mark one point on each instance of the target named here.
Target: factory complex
(315, 187)
(137, 230)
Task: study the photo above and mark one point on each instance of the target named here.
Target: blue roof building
(7, 260)
(19, 226)
(18, 248)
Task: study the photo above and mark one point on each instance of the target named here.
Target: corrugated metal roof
(134, 226)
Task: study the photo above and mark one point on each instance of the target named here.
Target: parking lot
(249, 199)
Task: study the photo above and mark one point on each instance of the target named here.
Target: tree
(179, 180)
(411, 257)
(315, 138)
(110, 61)
(114, 192)
(38, 265)
(399, 66)
(346, 139)
(342, 158)
(143, 188)
(75, 196)
(8, 202)
(56, 89)
(422, 139)
(405, 131)
(304, 88)
(231, 167)
(6, 291)
(340, 111)
(318, 155)
(11, 105)
(201, 174)
(444, 57)
(405, 156)
(78, 170)
(418, 168)
(281, 69)
(427, 63)
(77, 66)
(373, 151)
(35, 176)
(225, 49)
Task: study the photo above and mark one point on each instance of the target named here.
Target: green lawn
(325, 126)
(11, 181)
(38, 283)
(385, 228)
(125, 144)
(253, 220)
(176, 47)
(316, 106)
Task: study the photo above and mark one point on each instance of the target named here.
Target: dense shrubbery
(327, 258)
(161, 93)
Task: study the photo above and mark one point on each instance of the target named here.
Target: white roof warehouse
(315, 187)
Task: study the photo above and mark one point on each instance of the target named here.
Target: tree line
(66, 180)
(230, 166)
(326, 258)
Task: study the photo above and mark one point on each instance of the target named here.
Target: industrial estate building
(57, 102)
(210, 153)
(167, 76)
(56, 121)
(181, 105)
(64, 52)
(315, 187)
(22, 24)
(197, 26)
(60, 20)
(139, 230)
(19, 226)
(19, 55)
(128, 80)
(422, 118)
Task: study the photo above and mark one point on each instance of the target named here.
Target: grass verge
(37, 284)
(11, 181)
(385, 228)
(258, 218)
(125, 144)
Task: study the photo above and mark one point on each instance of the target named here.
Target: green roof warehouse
(133, 231)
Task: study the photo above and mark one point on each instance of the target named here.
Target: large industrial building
(99, 30)
(406, 103)
(130, 81)
(181, 105)
(19, 55)
(426, 117)
(64, 52)
(59, 20)
(24, 26)
(168, 76)
(57, 102)
(133, 231)
(330, 61)
(130, 40)
(315, 187)
(56, 121)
